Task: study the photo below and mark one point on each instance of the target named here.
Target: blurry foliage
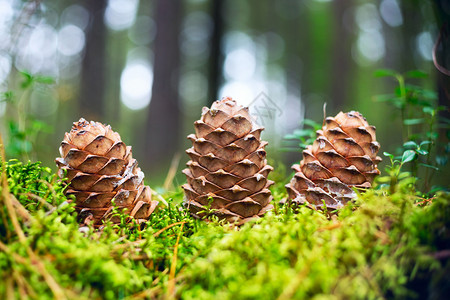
(426, 135)
(22, 129)
(306, 136)
(382, 246)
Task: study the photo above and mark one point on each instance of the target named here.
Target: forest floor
(389, 243)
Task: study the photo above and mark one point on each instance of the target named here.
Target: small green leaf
(6, 96)
(422, 152)
(385, 73)
(291, 137)
(303, 132)
(432, 135)
(404, 175)
(408, 156)
(28, 80)
(416, 74)
(311, 123)
(429, 166)
(387, 154)
(429, 110)
(410, 144)
(413, 121)
(45, 79)
(430, 95)
(384, 179)
(425, 143)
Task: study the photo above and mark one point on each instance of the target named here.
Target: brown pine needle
(330, 227)
(146, 294)
(9, 288)
(22, 281)
(51, 282)
(20, 286)
(289, 290)
(12, 212)
(169, 226)
(135, 243)
(171, 286)
(15, 256)
(21, 210)
(40, 199)
(168, 183)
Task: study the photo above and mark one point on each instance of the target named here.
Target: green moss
(382, 246)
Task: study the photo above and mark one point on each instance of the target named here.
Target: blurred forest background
(147, 68)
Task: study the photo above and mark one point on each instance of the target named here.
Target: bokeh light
(424, 43)
(70, 40)
(135, 84)
(391, 13)
(76, 15)
(121, 14)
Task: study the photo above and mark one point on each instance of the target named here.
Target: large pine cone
(100, 168)
(228, 168)
(343, 156)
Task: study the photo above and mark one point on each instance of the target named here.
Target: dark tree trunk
(442, 57)
(163, 125)
(412, 26)
(91, 104)
(342, 64)
(216, 56)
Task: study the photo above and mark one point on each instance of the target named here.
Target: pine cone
(343, 156)
(100, 168)
(228, 168)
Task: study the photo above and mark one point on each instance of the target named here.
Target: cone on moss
(100, 168)
(344, 156)
(227, 173)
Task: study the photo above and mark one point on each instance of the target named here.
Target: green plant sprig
(419, 118)
(23, 128)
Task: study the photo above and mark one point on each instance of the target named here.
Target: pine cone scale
(100, 169)
(227, 170)
(343, 156)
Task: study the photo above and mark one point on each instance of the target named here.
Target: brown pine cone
(100, 168)
(228, 168)
(343, 156)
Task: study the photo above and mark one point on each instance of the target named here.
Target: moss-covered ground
(389, 243)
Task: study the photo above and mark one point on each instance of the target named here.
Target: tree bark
(163, 124)
(91, 104)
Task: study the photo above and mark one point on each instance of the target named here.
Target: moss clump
(382, 246)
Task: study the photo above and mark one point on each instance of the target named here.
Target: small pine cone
(228, 168)
(100, 168)
(343, 156)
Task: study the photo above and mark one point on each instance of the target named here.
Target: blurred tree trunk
(318, 59)
(216, 56)
(93, 70)
(342, 64)
(163, 124)
(442, 56)
(412, 26)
